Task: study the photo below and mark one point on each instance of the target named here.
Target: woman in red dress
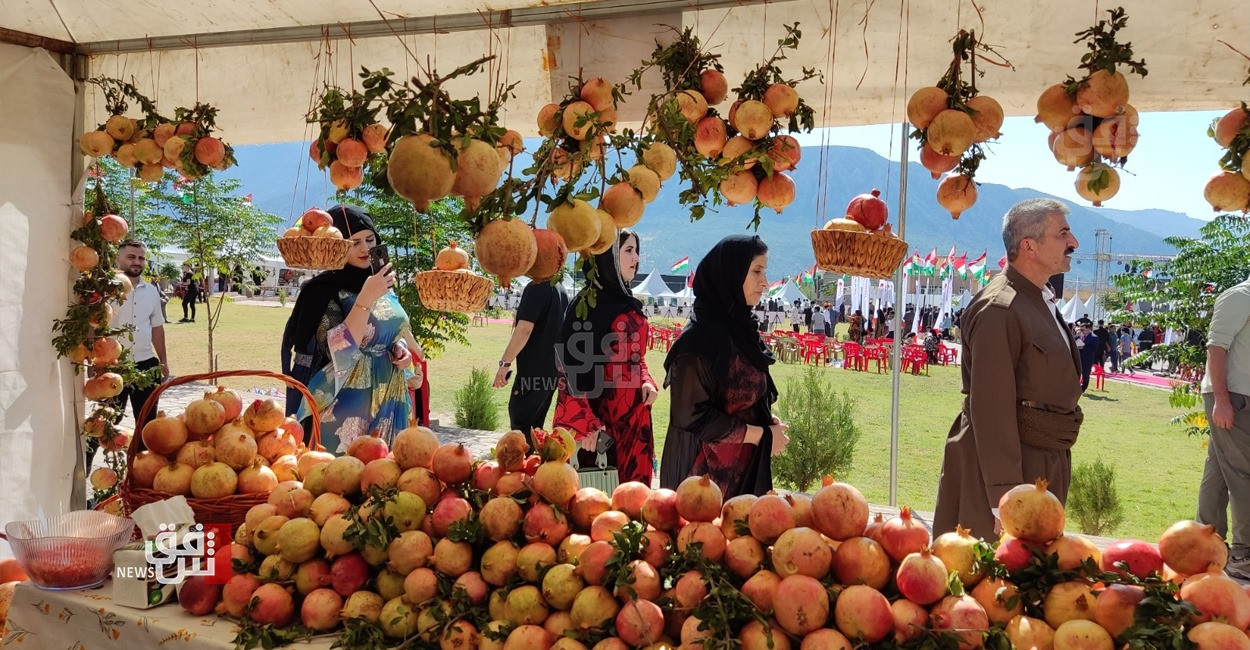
(605, 387)
(721, 423)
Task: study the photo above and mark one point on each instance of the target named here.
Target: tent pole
(898, 321)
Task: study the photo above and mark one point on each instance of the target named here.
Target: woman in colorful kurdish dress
(721, 422)
(348, 331)
(605, 386)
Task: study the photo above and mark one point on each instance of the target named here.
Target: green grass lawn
(1157, 467)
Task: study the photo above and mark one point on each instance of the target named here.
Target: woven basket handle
(150, 404)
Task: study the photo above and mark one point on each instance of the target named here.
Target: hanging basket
(859, 254)
(230, 509)
(454, 290)
(314, 253)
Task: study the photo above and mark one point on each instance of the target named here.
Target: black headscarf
(317, 293)
(613, 297)
(720, 311)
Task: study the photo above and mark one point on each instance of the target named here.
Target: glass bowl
(69, 551)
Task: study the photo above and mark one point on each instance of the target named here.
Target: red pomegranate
(868, 210)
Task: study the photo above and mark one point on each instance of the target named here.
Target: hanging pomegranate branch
(350, 137)
(1229, 189)
(1092, 124)
(193, 148)
(129, 140)
(953, 119)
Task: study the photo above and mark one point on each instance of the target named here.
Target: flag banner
(682, 264)
(1002, 263)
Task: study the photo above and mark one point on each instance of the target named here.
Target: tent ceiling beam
(469, 21)
(34, 40)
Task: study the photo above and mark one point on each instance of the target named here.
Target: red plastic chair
(1099, 375)
(916, 359)
(814, 352)
(853, 357)
(878, 354)
(947, 355)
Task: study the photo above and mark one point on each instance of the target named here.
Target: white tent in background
(1091, 307)
(686, 296)
(788, 293)
(965, 298)
(1071, 311)
(653, 286)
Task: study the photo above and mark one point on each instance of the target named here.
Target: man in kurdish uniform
(1021, 376)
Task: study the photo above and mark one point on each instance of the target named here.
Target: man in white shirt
(142, 309)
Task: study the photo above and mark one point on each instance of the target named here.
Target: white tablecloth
(89, 619)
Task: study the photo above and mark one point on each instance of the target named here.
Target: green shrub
(475, 403)
(822, 431)
(1092, 499)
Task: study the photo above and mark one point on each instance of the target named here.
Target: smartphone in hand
(378, 258)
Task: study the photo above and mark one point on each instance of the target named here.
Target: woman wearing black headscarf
(605, 386)
(721, 423)
(348, 333)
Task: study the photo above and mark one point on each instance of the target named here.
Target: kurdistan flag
(976, 268)
(931, 262)
(682, 264)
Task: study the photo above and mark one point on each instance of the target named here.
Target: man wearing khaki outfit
(1021, 376)
(1226, 398)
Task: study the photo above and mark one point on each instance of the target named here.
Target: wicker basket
(314, 253)
(454, 290)
(224, 510)
(860, 254)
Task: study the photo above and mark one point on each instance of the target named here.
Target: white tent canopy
(788, 293)
(1071, 311)
(653, 286)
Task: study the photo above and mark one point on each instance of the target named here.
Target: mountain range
(282, 180)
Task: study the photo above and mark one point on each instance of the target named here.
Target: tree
(221, 232)
(413, 240)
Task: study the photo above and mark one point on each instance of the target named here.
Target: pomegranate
(556, 482)
(577, 119)
(690, 589)
(550, 255)
(593, 607)
(921, 577)
(860, 612)
(710, 136)
(758, 636)
(659, 509)
(698, 499)
(1030, 633)
(499, 564)
(753, 119)
(901, 536)
(285, 468)
(1228, 191)
(1031, 513)
(1140, 558)
(325, 506)
(408, 552)
(655, 547)
(148, 152)
(233, 447)
(477, 172)
(628, 498)
(1102, 94)
(105, 351)
(173, 478)
(693, 633)
(83, 258)
(368, 449)
(1082, 635)
(164, 435)
(506, 248)
(801, 551)
(1013, 554)
(606, 524)
(374, 138)
(1073, 551)
(910, 620)
(237, 593)
(1056, 109)
(781, 99)
(996, 597)
(544, 523)
(363, 604)
(213, 481)
(587, 504)
(195, 595)
(486, 476)
(1189, 547)
(320, 610)
(231, 403)
(264, 415)
(103, 478)
(641, 622)
(925, 104)
(957, 550)
(1114, 138)
(501, 518)
(661, 159)
(713, 86)
(987, 117)
(860, 560)
(419, 171)
(956, 193)
(452, 558)
(597, 92)
(421, 482)
(592, 564)
(96, 144)
(776, 191)
(839, 511)
(1216, 595)
(1116, 608)
(452, 463)
(448, 512)
(332, 536)
(1214, 635)
(1068, 601)
(1227, 127)
(641, 580)
(397, 619)
(951, 132)
(692, 104)
(962, 615)
(103, 386)
(709, 536)
(869, 211)
(381, 472)
(801, 505)
(739, 188)
(209, 151)
(548, 119)
(645, 181)
(276, 444)
(761, 588)
(740, 151)
(533, 558)
(291, 499)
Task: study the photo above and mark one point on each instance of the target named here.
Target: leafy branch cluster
(1105, 53)
(203, 118)
(117, 92)
(1238, 150)
(369, 525)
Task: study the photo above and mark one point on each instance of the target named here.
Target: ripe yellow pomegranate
(506, 248)
(451, 258)
(776, 191)
(148, 152)
(151, 173)
(576, 222)
(1228, 191)
(162, 132)
(1073, 147)
(951, 132)
(1056, 109)
(83, 258)
(956, 193)
(173, 149)
(1097, 173)
(1115, 137)
(96, 144)
(607, 118)
(710, 136)
(548, 119)
(120, 127)
(714, 86)
(925, 104)
(575, 113)
(1102, 94)
(550, 256)
(509, 145)
(607, 233)
(623, 203)
(987, 116)
(645, 181)
(692, 104)
(781, 99)
(338, 131)
(735, 147)
(598, 93)
(419, 171)
(374, 137)
(785, 152)
(1227, 127)
(753, 119)
(739, 188)
(477, 172)
(661, 159)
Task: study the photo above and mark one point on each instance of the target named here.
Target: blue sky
(1167, 170)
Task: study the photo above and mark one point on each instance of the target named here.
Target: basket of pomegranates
(222, 457)
(452, 285)
(314, 243)
(860, 244)
(69, 551)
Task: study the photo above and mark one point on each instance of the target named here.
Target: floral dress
(360, 392)
(618, 405)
